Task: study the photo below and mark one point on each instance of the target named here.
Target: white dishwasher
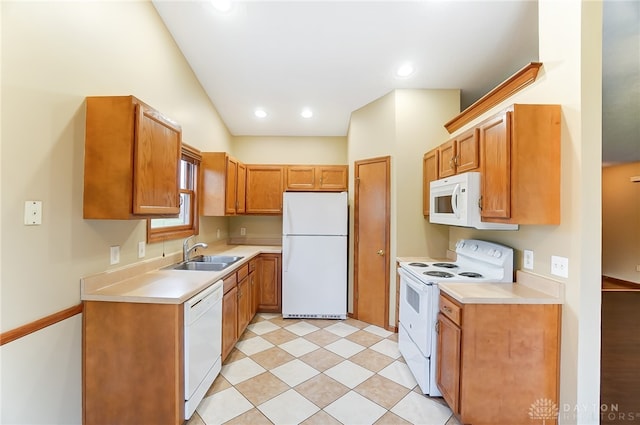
(202, 344)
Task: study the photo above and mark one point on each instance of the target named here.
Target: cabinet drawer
(243, 272)
(450, 309)
(252, 265)
(229, 282)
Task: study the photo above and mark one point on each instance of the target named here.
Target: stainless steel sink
(198, 265)
(214, 263)
(229, 259)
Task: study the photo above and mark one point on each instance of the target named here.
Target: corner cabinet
(265, 185)
(520, 165)
(131, 160)
(254, 287)
(497, 362)
(322, 178)
(270, 281)
(223, 185)
(429, 173)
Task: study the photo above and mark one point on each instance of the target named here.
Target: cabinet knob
(380, 252)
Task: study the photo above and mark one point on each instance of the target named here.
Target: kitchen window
(186, 224)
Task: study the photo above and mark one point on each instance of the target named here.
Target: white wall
(404, 125)
(570, 49)
(53, 55)
(621, 222)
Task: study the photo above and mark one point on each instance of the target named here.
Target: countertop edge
(164, 286)
(530, 289)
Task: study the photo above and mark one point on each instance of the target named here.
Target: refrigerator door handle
(286, 228)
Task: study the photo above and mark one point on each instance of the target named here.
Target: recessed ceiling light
(405, 70)
(306, 113)
(221, 5)
(260, 113)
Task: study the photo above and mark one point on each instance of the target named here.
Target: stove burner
(445, 265)
(470, 274)
(438, 274)
(418, 265)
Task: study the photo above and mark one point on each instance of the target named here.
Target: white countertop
(528, 289)
(138, 284)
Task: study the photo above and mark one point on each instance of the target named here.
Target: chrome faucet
(186, 251)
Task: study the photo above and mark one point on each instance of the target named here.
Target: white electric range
(476, 261)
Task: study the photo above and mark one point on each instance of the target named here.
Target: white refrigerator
(314, 255)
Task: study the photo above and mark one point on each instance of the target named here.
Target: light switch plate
(141, 249)
(528, 259)
(560, 266)
(115, 254)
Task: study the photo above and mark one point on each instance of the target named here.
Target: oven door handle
(411, 281)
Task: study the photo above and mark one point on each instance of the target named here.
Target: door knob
(380, 252)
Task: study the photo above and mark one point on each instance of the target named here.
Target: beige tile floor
(288, 371)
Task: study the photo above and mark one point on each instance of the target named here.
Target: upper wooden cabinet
(429, 174)
(459, 155)
(329, 178)
(223, 185)
(265, 185)
(520, 165)
(131, 160)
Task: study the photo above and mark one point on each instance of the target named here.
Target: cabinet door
(467, 152)
(231, 185)
(241, 188)
(244, 305)
(229, 321)
(447, 152)
(495, 145)
(254, 284)
(265, 184)
(332, 177)
(270, 283)
(156, 164)
(429, 174)
(300, 177)
(448, 362)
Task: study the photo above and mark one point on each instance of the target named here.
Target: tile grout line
(320, 345)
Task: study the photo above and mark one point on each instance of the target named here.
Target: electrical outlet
(115, 254)
(638, 268)
(560, 266)
(528, 259)
(243, 231)
(141, 249)
(218, 234)
(32, 213)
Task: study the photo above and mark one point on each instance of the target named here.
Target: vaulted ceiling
(333, 57)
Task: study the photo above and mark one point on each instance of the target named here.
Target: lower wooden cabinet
(244, 305)
(133, 361)
(254, 287)
(270, 278)
(499, 363)
(229, 321)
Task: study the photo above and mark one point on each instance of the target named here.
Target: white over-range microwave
(455, 201)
